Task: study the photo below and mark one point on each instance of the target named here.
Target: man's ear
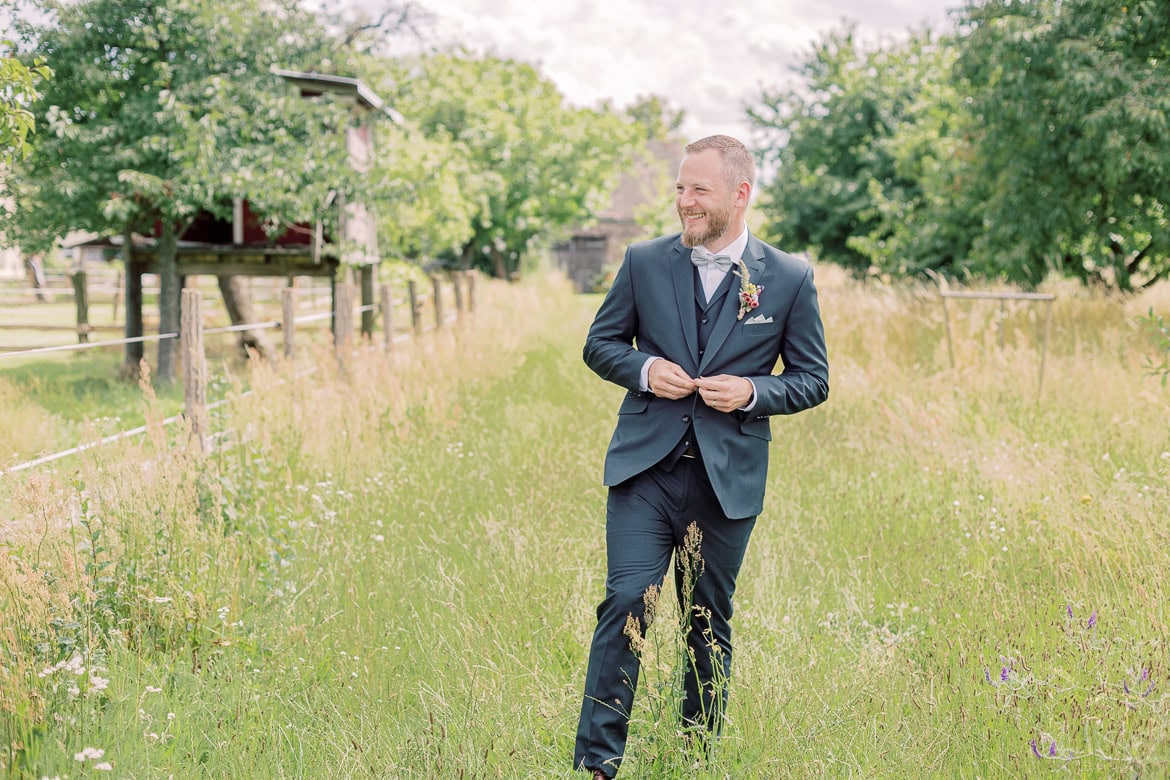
(743, 195)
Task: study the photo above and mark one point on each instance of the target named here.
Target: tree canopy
(18, 89)
(1031, 138)
(506, 149)
(162, 108)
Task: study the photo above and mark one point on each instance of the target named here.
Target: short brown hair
(737, 160)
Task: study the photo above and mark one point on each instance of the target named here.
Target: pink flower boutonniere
(749, 291)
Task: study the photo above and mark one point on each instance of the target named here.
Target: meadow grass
(392, 573)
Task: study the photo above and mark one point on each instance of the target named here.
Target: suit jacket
(650, 310)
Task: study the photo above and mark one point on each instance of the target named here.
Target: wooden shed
(587, 255)
(240, 247)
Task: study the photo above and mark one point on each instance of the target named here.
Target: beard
(716, 225)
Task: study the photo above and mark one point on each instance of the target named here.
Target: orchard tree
(529, 166)
(1071, 105)
(18, 89)
(161, 108)
(827, 138)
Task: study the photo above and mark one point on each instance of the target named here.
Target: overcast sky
(707, 57)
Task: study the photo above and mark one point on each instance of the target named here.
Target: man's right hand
(668, 380)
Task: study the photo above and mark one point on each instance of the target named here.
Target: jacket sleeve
(804, 382)
(609, 349)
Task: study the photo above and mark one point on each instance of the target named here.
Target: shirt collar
(735, 249)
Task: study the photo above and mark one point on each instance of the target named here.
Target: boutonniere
(749, 291)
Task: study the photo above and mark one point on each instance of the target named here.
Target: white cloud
(705, 58)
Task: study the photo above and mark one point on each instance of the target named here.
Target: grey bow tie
(704, 259)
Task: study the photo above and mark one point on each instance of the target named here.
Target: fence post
(457, 279)
(343, 321)
(412, 292)
(471, 290)
(437, 286)
(81, 298)
(194, 365)
(387, 318)
(367, 277)
(133, 325)
(288, 311)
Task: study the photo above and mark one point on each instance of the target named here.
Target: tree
(533, 166)
(1071, 100)
(161, 108)
(829, 138)
(18, 88)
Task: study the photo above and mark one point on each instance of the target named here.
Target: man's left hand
(725, 393)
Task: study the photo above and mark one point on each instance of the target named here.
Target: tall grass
(958, 573)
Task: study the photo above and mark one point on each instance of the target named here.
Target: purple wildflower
(1093, 619)
(1003, 674)
(1036, 750)
(1068, 608)
(1125, 686)
(1149, 690)
(986, 674)
(1145, 673)
(1052, 749)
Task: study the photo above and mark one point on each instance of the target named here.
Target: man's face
(705, 202)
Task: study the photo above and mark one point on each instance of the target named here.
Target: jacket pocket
(634, 404)
(760, 427)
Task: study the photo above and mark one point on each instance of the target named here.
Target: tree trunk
(135, 349)
(499, 270)
(238, 302)
(168, 303)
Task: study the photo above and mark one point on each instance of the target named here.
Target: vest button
(686, 418)
(704, 320)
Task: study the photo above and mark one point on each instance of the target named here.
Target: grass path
(394, 576)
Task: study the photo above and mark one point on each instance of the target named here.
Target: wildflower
(1036, 750)
(1093, 619)
(104, 766)
(94, 753)
(1003, 674)
(1068, 607)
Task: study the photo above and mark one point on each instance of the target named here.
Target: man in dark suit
(693, 328)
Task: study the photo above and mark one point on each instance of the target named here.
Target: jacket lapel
(683, 275)
(753, 257)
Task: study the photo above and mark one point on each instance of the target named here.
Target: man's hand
(668, 380)
(725, 393)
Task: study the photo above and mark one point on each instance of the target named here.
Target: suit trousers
(647, 517)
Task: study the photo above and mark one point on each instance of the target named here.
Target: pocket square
(759, 319)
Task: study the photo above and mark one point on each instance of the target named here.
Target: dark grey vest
(706, 313)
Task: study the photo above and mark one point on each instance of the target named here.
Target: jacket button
(686, 418)
(704, 320)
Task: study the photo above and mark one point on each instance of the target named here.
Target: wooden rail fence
(194, 358)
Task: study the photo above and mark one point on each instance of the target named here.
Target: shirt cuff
(748, 408)
(644, 380)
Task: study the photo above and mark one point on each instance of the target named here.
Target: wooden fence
(460, 290)
(416, 297)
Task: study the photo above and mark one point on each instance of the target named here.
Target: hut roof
(340, 85)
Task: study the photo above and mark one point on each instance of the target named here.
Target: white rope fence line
(89, 345)
(136, 339)
(446, 318)
(141, 429)
(169, 420)
(83, 447)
